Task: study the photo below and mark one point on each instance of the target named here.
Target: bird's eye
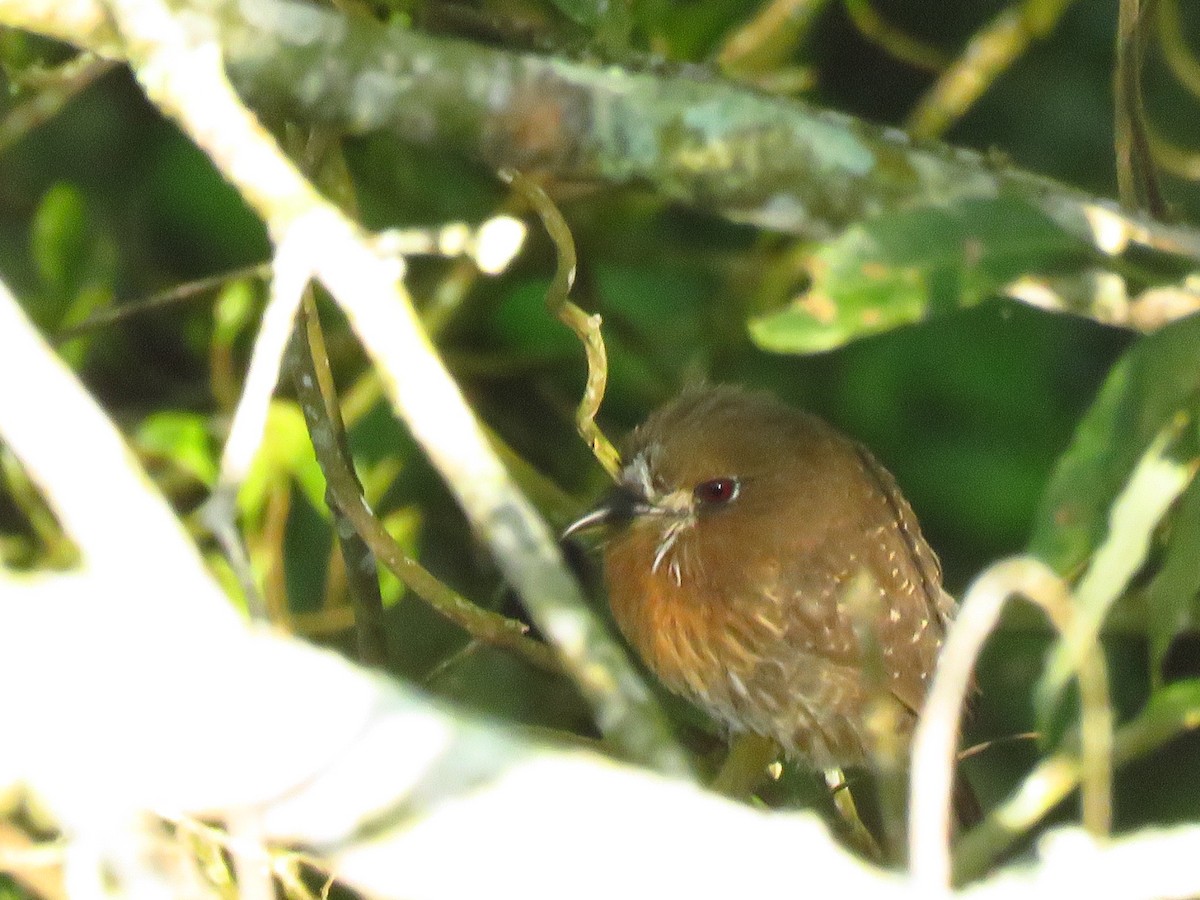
(718, 491)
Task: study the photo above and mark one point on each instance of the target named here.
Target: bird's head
(718, 465)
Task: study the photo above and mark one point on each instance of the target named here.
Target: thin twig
(843, 801)
(313, 380)
(178, 294)
(54, 90)
(989, 53)
(345, 498)
(250, 417)
(984, 746)
(444, 665)
(1179, 56)
(765, 41)
(902, 46)
(1173, 159)
(288, 283)
(1137, 183)
(447, 241)
(219, 516)
(586, 328)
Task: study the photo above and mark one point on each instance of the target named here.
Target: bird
(767, 568)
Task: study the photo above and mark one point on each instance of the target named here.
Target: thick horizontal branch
(768, 161)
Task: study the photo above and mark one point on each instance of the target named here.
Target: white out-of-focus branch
(178, 61)
(491, 246)
(936, 737)
(75, 454)
(291, 273)
(1155, 864)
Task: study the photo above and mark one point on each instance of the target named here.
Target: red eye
(718, 491)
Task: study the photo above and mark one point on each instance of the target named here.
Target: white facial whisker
(664, 547)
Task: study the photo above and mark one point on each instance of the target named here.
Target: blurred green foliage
(972, 409)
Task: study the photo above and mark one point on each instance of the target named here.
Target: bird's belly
(820, 712)
(749, 675)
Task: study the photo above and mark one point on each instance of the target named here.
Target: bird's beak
(619, 507)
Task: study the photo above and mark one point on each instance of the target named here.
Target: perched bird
(767, 568)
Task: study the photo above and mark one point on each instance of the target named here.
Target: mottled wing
(912, 624)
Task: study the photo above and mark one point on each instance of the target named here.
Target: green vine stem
(313, 380)
(345, 498)
(586, 328)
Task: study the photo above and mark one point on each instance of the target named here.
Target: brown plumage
(767, 568)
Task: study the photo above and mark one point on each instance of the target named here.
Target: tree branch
(766, 161)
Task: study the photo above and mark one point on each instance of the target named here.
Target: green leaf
(60, 246)
(233, 311)
(905, 266)
(286, 453)
(1173, 598)
(182, 438)
(77, 263)
(1154, 382)
(1156, 482)
(1169, 712)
